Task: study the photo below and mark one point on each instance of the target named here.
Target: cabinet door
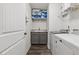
(62, 49)
(54, 46)
(59, 48)
(35, 38)
(43, 38)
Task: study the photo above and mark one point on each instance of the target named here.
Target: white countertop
(71, 38)
(38, 30)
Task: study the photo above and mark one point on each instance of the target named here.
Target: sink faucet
(39, 29)
(68, 29)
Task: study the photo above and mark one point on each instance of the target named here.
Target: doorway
(39, 34)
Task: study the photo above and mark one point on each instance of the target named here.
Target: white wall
(74, 24)
(74, 20)
(39, 24)
(39, 5)
(55, 21)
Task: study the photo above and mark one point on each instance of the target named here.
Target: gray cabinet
(43, 38)
(39, 37)
(35, 38)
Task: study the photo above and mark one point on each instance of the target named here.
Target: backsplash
(75, 31)
(42, 25)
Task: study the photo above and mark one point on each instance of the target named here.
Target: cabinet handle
(61, 41)
(56, 41)
(25, 33)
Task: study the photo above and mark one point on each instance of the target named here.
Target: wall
(39, 24)
(74, 19)
(39, 5)
(74, 24)
(42, 24)
(55, 21)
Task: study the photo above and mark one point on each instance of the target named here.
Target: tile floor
(39, 50)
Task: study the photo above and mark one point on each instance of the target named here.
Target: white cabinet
(53, 45)
(59, 48)
(62, 49)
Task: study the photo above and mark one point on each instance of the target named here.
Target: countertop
(39, 31)
(71, 38)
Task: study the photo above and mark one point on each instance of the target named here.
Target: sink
(62, 31)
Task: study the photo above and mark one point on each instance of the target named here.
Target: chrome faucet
(68, 29)
(39, 29)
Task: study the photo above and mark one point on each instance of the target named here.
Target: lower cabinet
(62, 49)
(39, 37)
(35, 38)
(59, 48)
(43, 38)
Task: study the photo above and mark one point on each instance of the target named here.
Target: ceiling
(39, 5)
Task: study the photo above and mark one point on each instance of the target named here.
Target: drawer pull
(25, 33)
(56, 41)
(60, 40)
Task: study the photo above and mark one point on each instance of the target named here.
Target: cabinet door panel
(35, 38)
(53, 44)
(67, 50)
(62, 49)
(59, 48)
(43, 38)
